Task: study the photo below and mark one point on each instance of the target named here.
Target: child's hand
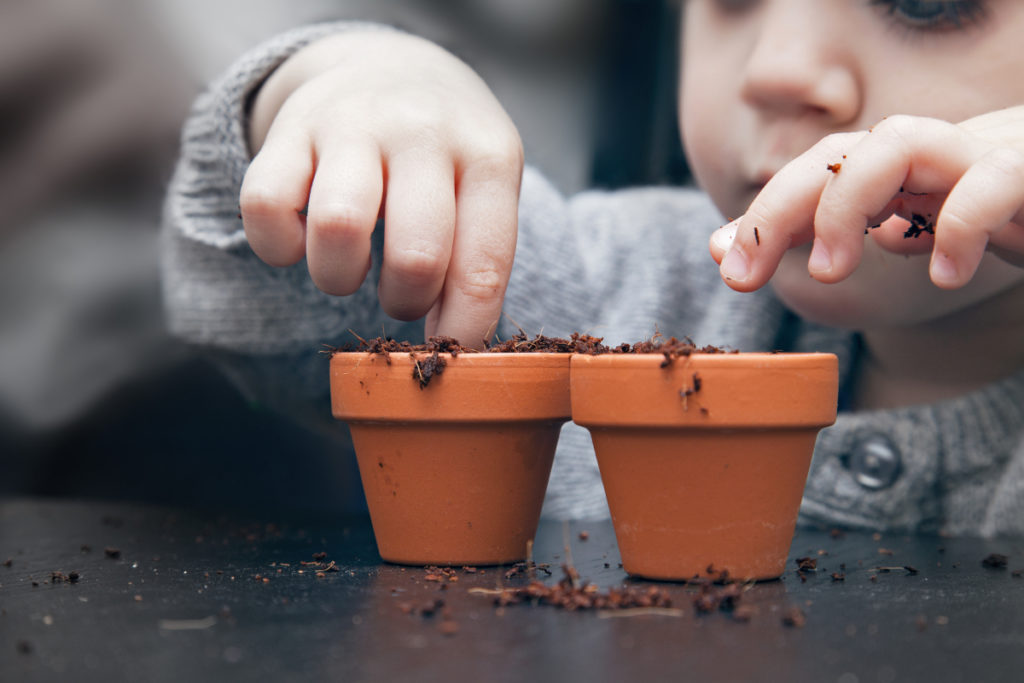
(960, 186)
(365, 124)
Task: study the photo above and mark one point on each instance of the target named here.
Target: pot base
(733, 507)
(449, 494)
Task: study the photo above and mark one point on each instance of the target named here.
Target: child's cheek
(708, 157)
(837, 305)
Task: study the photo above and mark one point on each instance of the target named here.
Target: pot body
(704, 460)
(454, 472)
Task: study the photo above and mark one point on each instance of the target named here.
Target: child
(783, 107)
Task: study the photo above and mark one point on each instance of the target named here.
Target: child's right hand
(373, 123)
(962, 184)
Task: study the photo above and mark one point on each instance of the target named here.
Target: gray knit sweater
(615, 264)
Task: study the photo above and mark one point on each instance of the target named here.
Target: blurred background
(96, 400)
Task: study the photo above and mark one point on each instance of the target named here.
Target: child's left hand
(960, 186)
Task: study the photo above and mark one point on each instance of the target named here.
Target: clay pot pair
(703, 458)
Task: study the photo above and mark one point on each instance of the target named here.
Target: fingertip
(735, 267)
(473, 331)
(722, 239)
(471, 305)
(943, 271)
(831, 262)
(820, 262)
(274, 229)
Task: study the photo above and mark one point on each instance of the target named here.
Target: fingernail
(724, 236)
(820, 260)
(943, 269)
(735, 266)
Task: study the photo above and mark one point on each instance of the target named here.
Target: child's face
(763, 80)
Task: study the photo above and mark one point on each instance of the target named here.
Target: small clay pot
(704, 460)
(454, 472)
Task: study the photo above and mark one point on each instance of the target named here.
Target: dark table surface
(174, 595)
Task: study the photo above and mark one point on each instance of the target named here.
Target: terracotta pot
(704, 461)
(454, 472)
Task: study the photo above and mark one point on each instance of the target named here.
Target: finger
(901, 236)
(344, 202)
(722, 239)
(906, 224)
(419, 215)
(274, 192)
(912, 153)
(780, 217)
(482, 254)
(979, 208)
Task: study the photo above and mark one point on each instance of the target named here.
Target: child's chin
(885, 290)
(870, 298)
(831, 305)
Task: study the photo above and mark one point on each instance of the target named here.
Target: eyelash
(945, 15)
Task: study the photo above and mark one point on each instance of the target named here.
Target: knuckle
(899, 129)
(418, 264)
(336, 223)
(837, 143)
(962, 217)
(426, 115)
(262, 203)
(498, 157)
(482, 283)
(761, 215)
(957, 220)
(900, 125)
(1006, 161)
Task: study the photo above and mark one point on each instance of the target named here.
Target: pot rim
(726, 357)
(731, 390)
(472, 357)
(473, 387)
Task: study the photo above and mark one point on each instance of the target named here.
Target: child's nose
(800, 63)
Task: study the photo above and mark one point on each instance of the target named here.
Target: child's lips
(756, 181)
(752, 189)
(760, 177)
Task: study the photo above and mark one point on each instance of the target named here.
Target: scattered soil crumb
(995, 561)
(571, 594)
(794, 617)
(806, 564)
(61, 577)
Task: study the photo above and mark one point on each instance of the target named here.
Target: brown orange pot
(704, 461)
(454, 472)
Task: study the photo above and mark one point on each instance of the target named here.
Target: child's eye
(933, 15)
(735, 6)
